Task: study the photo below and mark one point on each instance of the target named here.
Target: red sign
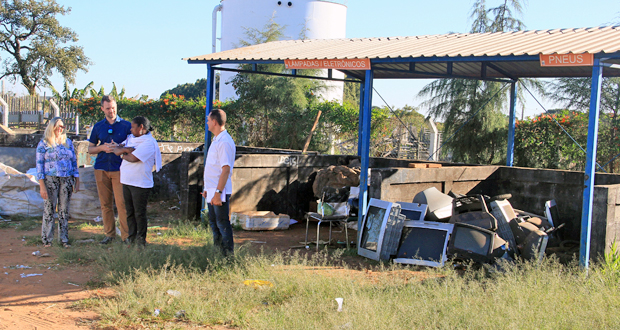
(346, 64)
(585, 59)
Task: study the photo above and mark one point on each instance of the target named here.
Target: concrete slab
(6, 130)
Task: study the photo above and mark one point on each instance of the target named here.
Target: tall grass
(612, 260)
(520, 296)
(525, 296)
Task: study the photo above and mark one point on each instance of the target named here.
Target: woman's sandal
(66, 245)
(47, 245)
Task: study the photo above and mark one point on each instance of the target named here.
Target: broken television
(374, 229)
(424, 243)
(469, 242)
(413, 211)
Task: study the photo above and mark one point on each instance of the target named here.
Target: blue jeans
(219, 222)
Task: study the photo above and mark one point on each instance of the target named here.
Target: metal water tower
(314, 19)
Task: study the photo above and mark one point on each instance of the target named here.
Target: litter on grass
(339, 301)
(174, 293)
(20, 267)
(258, 283)
(84, 241)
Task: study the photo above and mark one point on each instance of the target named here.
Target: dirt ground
(37, 293)
(41, 300)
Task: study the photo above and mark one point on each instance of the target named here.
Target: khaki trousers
(110, 190)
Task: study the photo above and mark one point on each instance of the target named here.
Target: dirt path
(38, 293)
(43, 299)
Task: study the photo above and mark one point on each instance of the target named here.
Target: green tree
(351, 93)
(67, 94)
(541, 142)
(37, 44)
(472, 110)
(195, 90)
(272, 111)
(189, 90)
(574, 94)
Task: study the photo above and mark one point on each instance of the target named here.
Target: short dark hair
(107, 98)
(219, 116)
(144, 122)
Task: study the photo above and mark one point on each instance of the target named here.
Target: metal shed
(503, 56)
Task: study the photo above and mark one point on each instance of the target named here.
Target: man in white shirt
(217, 181)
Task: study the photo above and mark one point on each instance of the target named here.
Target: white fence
(33, 112)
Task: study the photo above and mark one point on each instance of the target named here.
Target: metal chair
(330, 219)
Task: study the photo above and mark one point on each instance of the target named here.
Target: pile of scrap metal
(472, 228)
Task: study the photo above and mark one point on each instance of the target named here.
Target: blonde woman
(58, 177)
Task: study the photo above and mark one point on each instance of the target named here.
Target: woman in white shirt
(140, 153)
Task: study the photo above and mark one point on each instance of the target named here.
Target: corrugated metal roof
(513, 54)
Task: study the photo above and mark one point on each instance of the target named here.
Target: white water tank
(308, 19)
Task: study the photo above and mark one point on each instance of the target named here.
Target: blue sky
(139, 44)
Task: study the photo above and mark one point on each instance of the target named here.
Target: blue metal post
(361, 120)
(365, 145)
(510, 153)
(208, 108)
(588, 191)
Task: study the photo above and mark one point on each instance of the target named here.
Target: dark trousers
(136, 199)
(219, 222)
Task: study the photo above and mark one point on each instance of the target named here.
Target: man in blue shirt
(105, 136)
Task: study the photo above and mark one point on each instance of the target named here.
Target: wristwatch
(122, 156)
(218, 191)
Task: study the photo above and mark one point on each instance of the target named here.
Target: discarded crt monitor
(521, 229)
(551, 211)
(469, 242)
(424, 243)
(439, 204)
(413, 211)
(503, 212)
(535, 245)
(473, 210)
(380, 230)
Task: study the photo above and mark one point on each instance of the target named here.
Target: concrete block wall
(605, 219)
(267, 182)
(275, 180)
(19, 150)
(167, 180)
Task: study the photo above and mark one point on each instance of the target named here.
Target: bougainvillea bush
(543, 142)
(173, 117)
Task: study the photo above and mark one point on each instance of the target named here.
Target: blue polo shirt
(102, 133)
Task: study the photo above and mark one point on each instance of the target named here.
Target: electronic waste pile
(472, 228)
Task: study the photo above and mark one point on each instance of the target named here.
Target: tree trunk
(316, 121)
